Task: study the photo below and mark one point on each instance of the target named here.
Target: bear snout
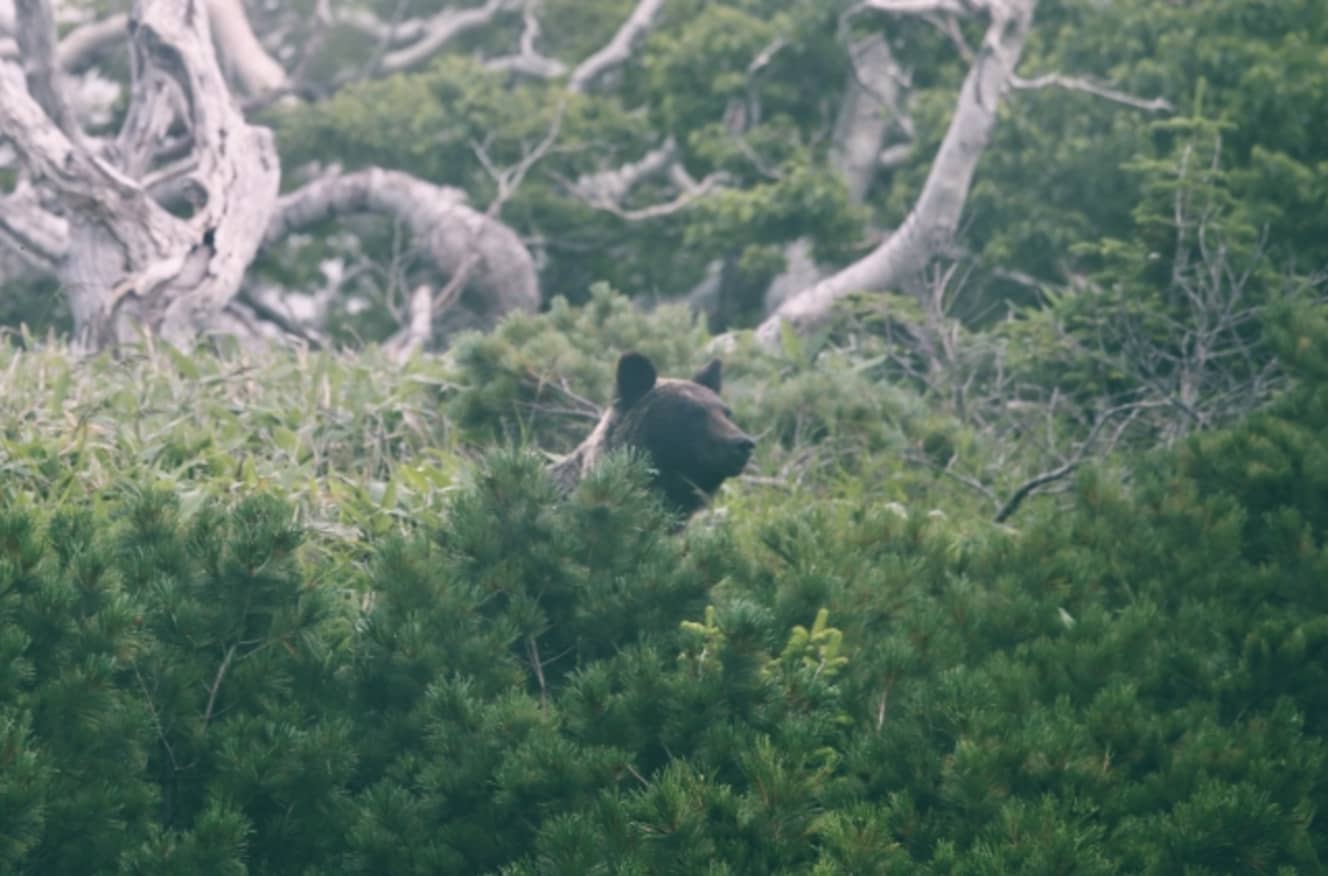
(740, 450)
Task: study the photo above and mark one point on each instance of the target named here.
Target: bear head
(682, 426)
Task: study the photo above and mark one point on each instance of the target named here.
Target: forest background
(1024, 301)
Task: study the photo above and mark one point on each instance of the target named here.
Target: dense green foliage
(316, 632)
(1060, 176)
(319, 612)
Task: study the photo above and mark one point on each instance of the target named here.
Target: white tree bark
(456, 236)
(64, 87)
(36, 47)
(618, 49)
(82, 45)
(871, 106)
(528, 61)
(257, 72)
(931, 224)
(39, 236)
(79, 47)
(612, 186)
(92, 212)
(130, 264)
(418, 329)
(414, 41)
(442, 28)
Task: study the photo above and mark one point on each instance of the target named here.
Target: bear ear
(636, 377)
(710, 376)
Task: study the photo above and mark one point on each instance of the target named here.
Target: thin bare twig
(216, 685)
(636, 775)
(619, 48)
(682, 202)
(156, 719)
(508, 181)
(1081, 453)
(532, 650)
(1075, 83)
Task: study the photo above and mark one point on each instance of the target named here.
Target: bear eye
(728, 412)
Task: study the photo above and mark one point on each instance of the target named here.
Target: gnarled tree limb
(618, 49)
(82, 45)
(256, 71)
(37, 235)
(870, 108)
(130, 264)
(930, 226)
(528, 61)
(1076, 83)
(35, 23)
(452, 232)
(434, 32)
(611, 186)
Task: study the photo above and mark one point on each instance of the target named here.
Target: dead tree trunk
(129, 263)
(871, 107)
(929, 227)
(458, 238)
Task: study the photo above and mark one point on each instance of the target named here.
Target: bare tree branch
(35, 22)
(532, 650)
(528, 61)
(931, 224)
(441, 29)
(612, 186)
(85, 43)
(216, 685)
(156, 719)
(510, 180)
(418, 330)
(606, 190)
(895, 156)
(73, 172)
(243, 55)
(871, 104)
(1074, 83)
(269, 306)
(391, 32)
(37, 235)
(81, 46)
(1033, 484)
(684, 200)
(618, 49)
(452, 232)
(924, 7)
(123, 246)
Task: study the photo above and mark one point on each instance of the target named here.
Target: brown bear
(682, 426)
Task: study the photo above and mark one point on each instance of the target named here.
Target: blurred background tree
(752, 158)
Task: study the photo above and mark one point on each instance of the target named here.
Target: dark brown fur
(682, 426)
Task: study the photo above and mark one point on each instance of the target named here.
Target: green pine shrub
(306, 614)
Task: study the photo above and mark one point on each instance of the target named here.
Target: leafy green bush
(228, 649)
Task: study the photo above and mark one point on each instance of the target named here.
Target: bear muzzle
(739, 451)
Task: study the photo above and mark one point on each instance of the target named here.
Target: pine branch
(216, 685)
(156, 720)
(533, 650)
